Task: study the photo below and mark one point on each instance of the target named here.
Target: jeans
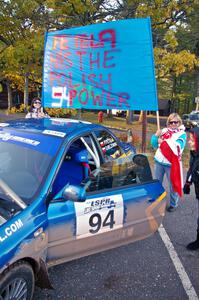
(160, 170)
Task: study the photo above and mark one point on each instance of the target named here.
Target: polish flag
(172, 152)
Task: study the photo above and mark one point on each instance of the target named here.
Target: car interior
(80, 160)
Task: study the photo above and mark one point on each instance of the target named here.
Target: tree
(22, 26)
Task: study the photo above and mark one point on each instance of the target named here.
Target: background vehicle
(194, 117)
(191, 120)
(119, 113)
(68, 189)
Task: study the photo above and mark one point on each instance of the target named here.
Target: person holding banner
(36, 110)
(170, 143)
(193, 177)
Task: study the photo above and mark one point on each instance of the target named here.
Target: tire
(17, 282)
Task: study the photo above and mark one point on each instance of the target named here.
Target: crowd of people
(169, 144)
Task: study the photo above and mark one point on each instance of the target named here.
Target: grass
(116, 122)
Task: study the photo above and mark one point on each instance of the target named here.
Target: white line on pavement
(189, 289)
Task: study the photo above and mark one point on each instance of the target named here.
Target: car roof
(193, 112)
(54, 124)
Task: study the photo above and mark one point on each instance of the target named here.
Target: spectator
(170, 143)
(193, 176)
(36, 110)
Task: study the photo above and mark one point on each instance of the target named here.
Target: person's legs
(198, 220)
(159, 172)
(174, 197)
(195, 245)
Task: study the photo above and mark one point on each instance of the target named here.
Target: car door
(123, 204)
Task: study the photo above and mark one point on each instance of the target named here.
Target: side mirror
(74, 193)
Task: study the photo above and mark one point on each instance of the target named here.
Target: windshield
(24, 167)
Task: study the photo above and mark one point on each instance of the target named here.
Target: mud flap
(42, 279)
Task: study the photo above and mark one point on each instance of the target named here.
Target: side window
(108, 144)
(79, 161)
(112, 175)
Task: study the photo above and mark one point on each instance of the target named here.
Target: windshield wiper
(11, 194)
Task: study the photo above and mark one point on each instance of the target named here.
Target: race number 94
(96, 222)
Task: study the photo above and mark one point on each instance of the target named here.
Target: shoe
(171, 208)
(194, 245)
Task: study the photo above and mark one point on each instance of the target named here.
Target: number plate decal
(99, 215)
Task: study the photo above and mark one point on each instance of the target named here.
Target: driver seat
(73, 170)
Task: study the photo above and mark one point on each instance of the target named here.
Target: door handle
(38, 232)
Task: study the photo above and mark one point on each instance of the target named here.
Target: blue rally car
(68, 189)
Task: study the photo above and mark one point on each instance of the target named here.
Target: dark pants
(198, 219)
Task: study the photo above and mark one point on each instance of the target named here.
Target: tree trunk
(26, 92)
(196, 85)
(140, 117)
(129, 117)
(109, 113)
(173, 95)
(9, 94)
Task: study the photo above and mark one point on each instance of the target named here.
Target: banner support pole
(158, 119)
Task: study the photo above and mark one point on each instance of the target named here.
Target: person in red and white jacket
(170, 143)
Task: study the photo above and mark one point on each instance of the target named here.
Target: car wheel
(17, 282)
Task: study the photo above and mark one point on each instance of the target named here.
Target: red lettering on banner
(85, 41)
(110, 99)
(97, 100)
(84, 79)
(60, 42)
(108, 58)
(81, 41)
(81, 53)
(70, 63)
(70, 82)
(97, 45)
(94, 61)
(84, 93)
(123, 99)
(90, 76)
(54, 77)
(108, 35)
(92, 84)
(60, 61)
(54, 61)
(97, 80)
(108, 81)
(72, 94)
(58, 79)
